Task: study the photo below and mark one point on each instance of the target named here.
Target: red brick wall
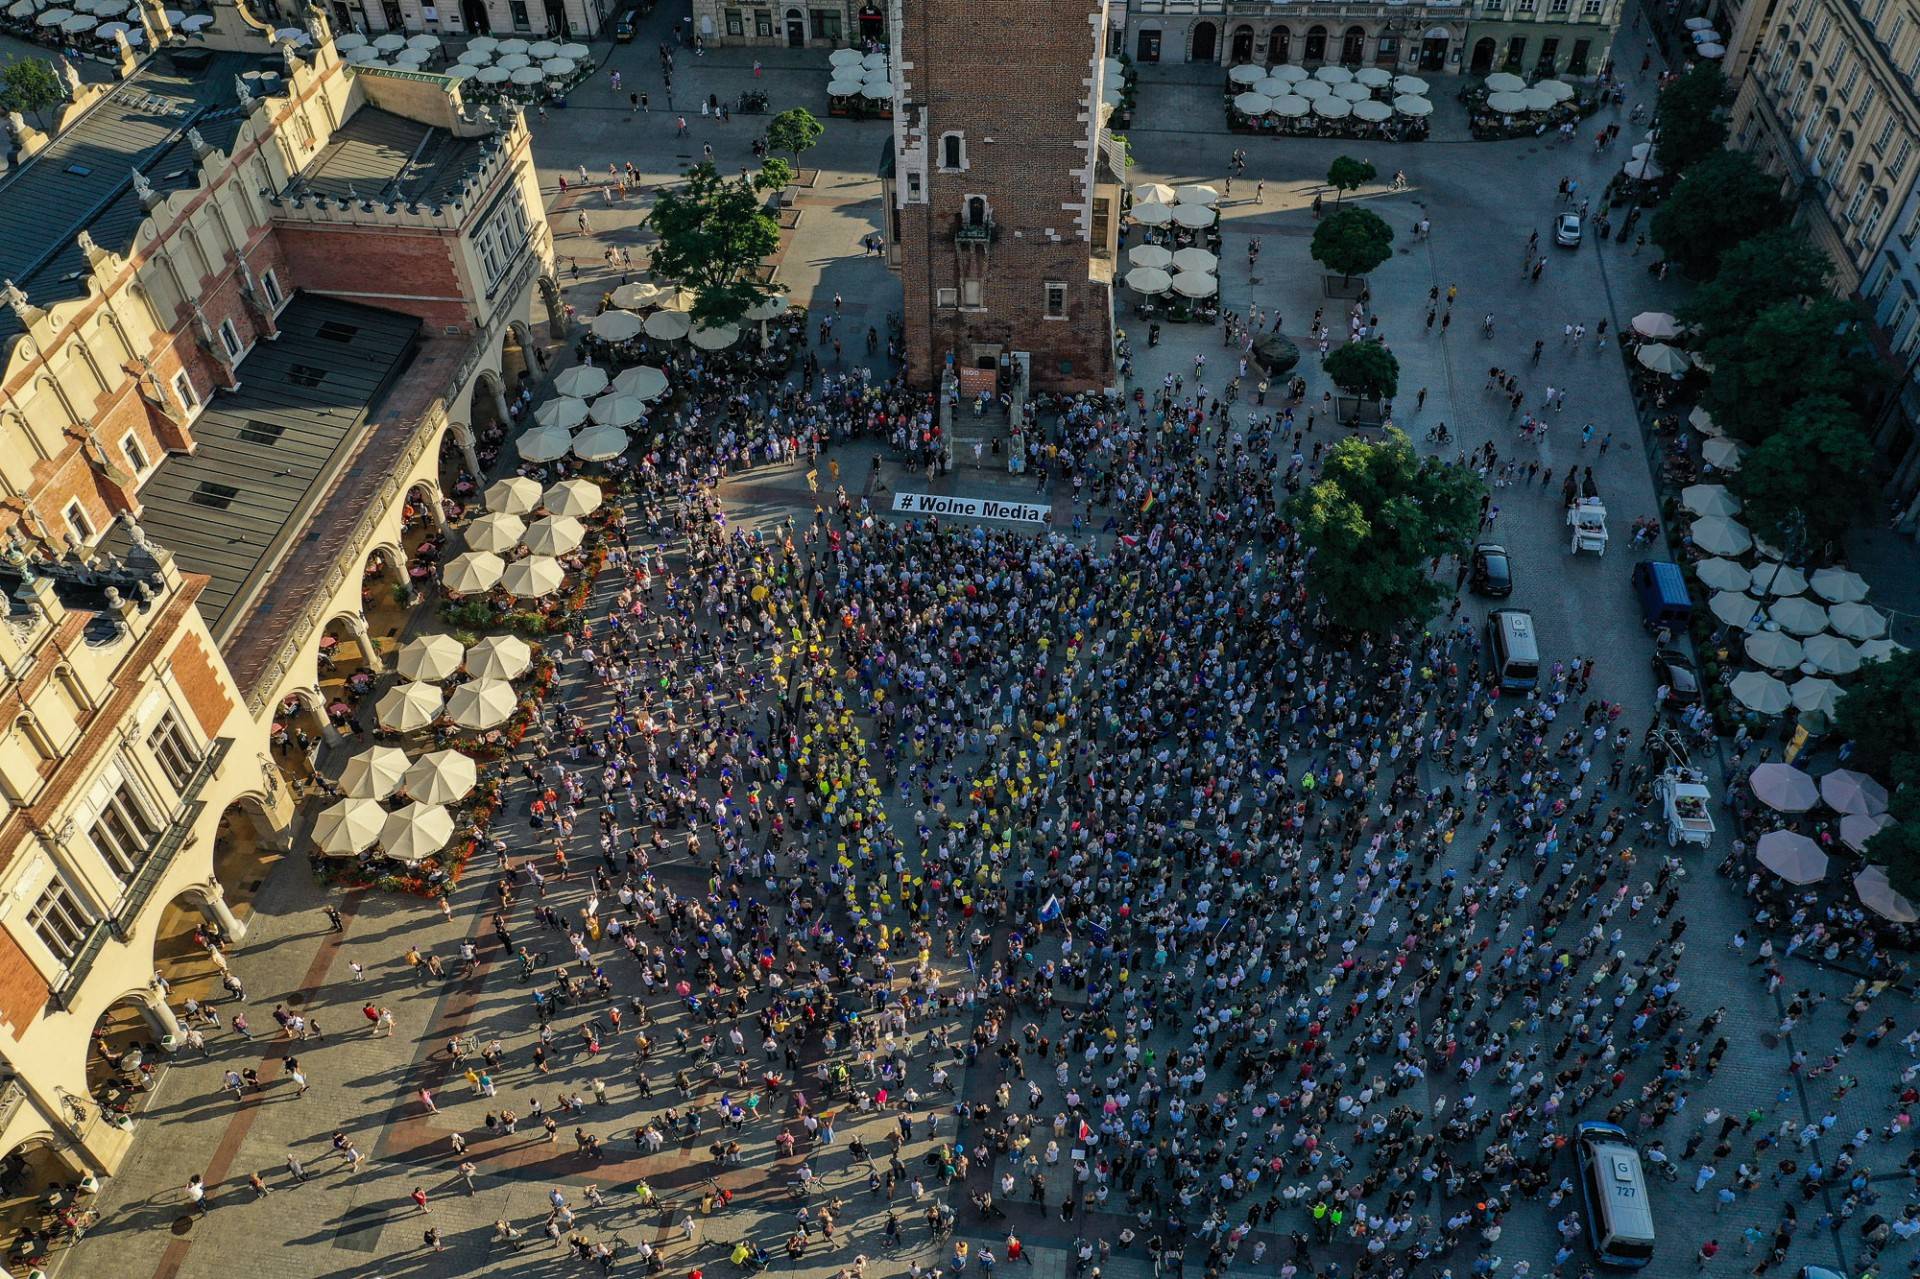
(1023, 88)
(23, 991)
(408, 271)
(206, 692)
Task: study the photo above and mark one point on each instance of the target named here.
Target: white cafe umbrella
(846, 88)
(1505, 82)
(543, 49)
(195, 22)
(555, 535)
(1723, 454)
(1839, 585)
(1153, 214)
(495, 531)
(1539, 99)
(1642, 170)
(472, 572)
(1710, 50)
(1698, 24)
(1798, 614)
(1702, 421)
(572, 497)
(667, 326)
(53, 17)
(513, 44)
(487, 43)
(499, 657)
(637, 293)
(1149, 280)
(515, 495)
(1195, 260)
(407, 708)
(1152, 256)
(1252, 103)
(1772, 578)
(643, 382)
(349, 826)
(1782, 787)
(1709, 499)
(1292, 73)
(441, 777)
(1246, 73)
(462, 72)
(1733, 608)
(1291, 107)
(532, 577)
(1662, 358)
(599, 444)
(492, 75)
(1409, 86)
(1641, 150)
(1856, 829)
(1879, 650)
(880, 75)
(1195, 284)
(1373, 77)
(1718, 535)
(876, 91)
(1507, 102)
(575, 50)
(1332, 74)
(770, 307)
(423, 40)
(1373, 112)
(108, 30)
(346, 42)
(412, 57)
(1655, 324)
(1774, 650)
(1153, 193)
(432, 657)
(299, 37)
(844, 58)
(1847, 790)
(1558, 90)
(563, 412)
(873, 60)
(714, 338)
(527, 76)
(1816, 696)
(374, 773)
(1354, 92)
(1832, 655)
(416, 832)
(1723, 575)
(1332, 108)
(1193, 216)
(582, 381)
(1858, 621)
(391, 42)
(79, 22)
(618, 410)
(1762, 693)
(1877, 895)
(1793, 857)
(512, 61)
(1270, 86)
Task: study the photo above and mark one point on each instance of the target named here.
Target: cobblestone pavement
(1482, 200)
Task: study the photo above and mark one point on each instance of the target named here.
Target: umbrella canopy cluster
(852, 74)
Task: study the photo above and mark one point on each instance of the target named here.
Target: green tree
(1788, 352)
(1719, 202)
(1897, 847)
(1880, 715)
(1366, 369)
(1796, 482)
(29, 86)
(1348, 174)
(1374, 520)
(1692, 121)
(1775, 266)
(794, 131)
(1352, 241)
(713, 233)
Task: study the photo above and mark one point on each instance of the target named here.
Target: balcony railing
(166, 847)
(975, 232)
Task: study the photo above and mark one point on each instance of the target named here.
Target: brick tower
(1004, 206)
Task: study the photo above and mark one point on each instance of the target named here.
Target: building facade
(810, 24)
(554, 19)
(1003, 204)
(236, 343)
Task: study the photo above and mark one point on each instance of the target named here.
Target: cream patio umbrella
(1332, 74)
(582, 381)
(644, 382)
(1847, 790)
(1642, 170)
(668, 326)
(1410, 86)
(637, 293)
(1718, 535)
(516, 495)
(544, 444)
(392, 42)
(1373, 77)
(1709, 499)
(1153, 193)
(512, 44)
(616, 326)
(1194, 216)
(1352, 92)
(572, 497)
(416, 832)
(348, 827)
(1792, 857)
(511, 62)
(492, 75)
(1152, 256)
(555, 535)
(1539, 99)
(1272, 87)
(1783, 788)
(1773, 578)
(1815, 696)
(1196, 193)
(1734, 608)
(441, 777)
(1507, 102)
(1196, 284)
(600, 443)
(1291, 107)
(1879, 650)
(472, 572)
(1762, 693)
(483, 703)
(1858, 621)
(1727, 455)
(1655, 324)
(1505, 82)
(1702, 421)
(1245, 73)
(1857, 830)
(1877, 895)
(1195, 260)
(533, 577)
(848, 84)
(1252, 103)
(1292, 73)
(346, 42)
(495, 531)
(408, 708)
(1558, 90)
(1150, 280)
(618, 410)
(1372, 112)
(541, 50)
(565, 411)
(374, 773)
(1723, 575)
(1774, 650)
(1832, 655)
(1839, 585)
(1798, 614)
(716, 337)
(430, 657)
(844, 58)
(1332, 108)
(1662, 358)
(499, 657)
(1152, 214)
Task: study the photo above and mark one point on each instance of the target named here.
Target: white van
(1512, 649)
(1619, 1217)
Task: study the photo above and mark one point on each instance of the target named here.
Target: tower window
(953, 151)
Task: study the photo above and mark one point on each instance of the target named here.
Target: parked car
(1566, 231)
(1491, 573)
(1677, 671)
(623, 29)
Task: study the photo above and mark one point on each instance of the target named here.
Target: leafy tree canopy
(1787, 353)
(1775, 266)
(713, 233)
(1366, 369)
(29, 86)
(1352, 241)
(1348, 174)
(794, 131)
(1796, 482)
(1719, 202)
(1692, 119)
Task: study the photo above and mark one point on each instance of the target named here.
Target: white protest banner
(972, 507)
